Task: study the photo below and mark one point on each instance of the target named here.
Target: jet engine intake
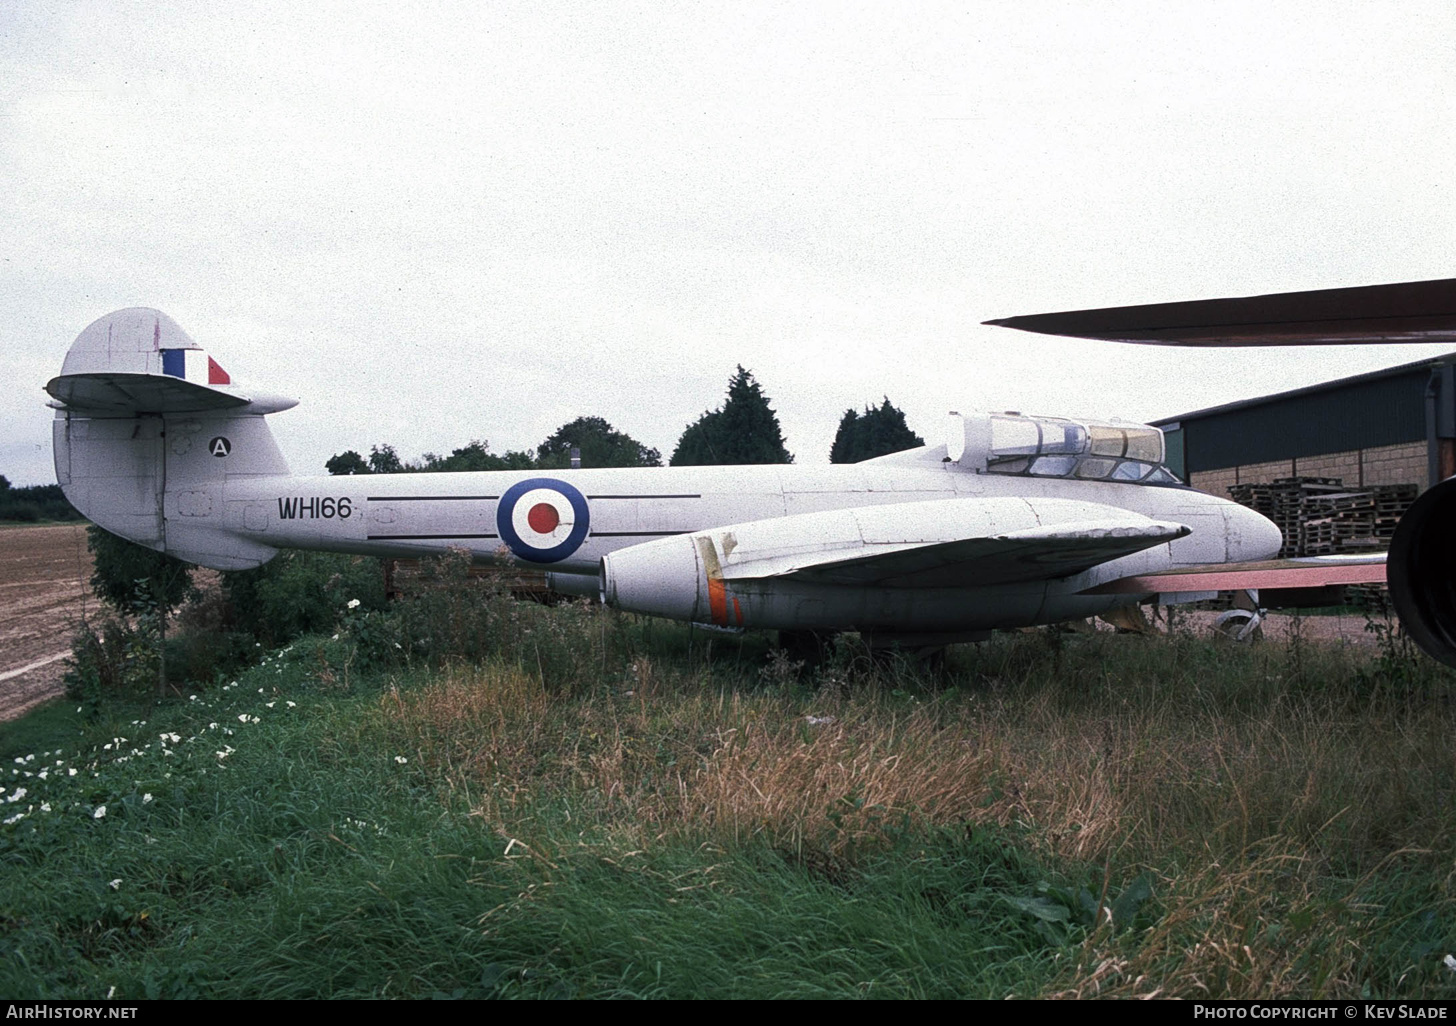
(1421, 571)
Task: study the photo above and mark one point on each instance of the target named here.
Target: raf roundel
(542, 520)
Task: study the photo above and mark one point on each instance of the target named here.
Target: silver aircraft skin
(1013, 521)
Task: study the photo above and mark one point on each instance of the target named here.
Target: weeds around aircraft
(1013, 521)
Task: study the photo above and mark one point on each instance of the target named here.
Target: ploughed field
(43, 591)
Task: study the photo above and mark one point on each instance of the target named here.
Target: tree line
(743, 430)
(34, 503)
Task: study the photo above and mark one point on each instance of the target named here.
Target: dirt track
(43, 590)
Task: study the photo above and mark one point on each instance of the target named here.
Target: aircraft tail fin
(150, 429)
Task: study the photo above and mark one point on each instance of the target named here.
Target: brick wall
(1214, 482)
(1396, 464)
(1384, 465)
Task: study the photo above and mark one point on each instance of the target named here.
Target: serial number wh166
(315, 509)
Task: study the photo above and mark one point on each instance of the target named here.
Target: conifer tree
(745, 429)
(879, 431)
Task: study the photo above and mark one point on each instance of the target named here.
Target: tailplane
(149, 432)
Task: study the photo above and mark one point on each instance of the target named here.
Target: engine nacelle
(1421, 571)
(883, 567)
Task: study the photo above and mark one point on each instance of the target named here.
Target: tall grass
(527, 801)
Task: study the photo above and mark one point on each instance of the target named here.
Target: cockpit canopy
(1012, 443)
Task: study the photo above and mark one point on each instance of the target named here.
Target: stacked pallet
(1334, 522)
(1391, 502)
(1283, 501)
(1318, 516)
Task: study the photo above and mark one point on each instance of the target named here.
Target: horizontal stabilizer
(1416, 311)
(112, 394)
(1302, 572)
(139, 361)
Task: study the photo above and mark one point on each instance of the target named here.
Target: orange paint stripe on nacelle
(718, 601)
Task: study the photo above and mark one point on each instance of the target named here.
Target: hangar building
(1389, 427)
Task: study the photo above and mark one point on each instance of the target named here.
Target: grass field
(607, 806)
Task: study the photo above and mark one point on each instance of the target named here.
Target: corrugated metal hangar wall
(1390, 427)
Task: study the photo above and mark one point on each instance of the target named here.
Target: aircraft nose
(1251, 535)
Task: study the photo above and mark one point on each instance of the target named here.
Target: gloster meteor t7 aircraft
(1015, 520)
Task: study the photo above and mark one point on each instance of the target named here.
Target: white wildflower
(242, 717)
(146, 798)
(115, 885)
(100, 812)
(353, 603)
(271, 704)
(20, 793)
(45, 806)
(292, 705)
(14, 819)
(71, 772)
(400, 759)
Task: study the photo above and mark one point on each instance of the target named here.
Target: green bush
(110, 657)
(132, 577)
(302, 592)
(202, 657)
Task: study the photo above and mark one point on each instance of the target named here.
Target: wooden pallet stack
(1319, 516)
(1391, 502)
(1334, 522)
(1283, 501)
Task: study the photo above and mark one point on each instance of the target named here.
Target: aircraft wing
(1282, 574)
(933, 543)
(1416, 311)
(1030, 554)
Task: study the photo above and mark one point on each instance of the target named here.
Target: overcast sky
(434, 223)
